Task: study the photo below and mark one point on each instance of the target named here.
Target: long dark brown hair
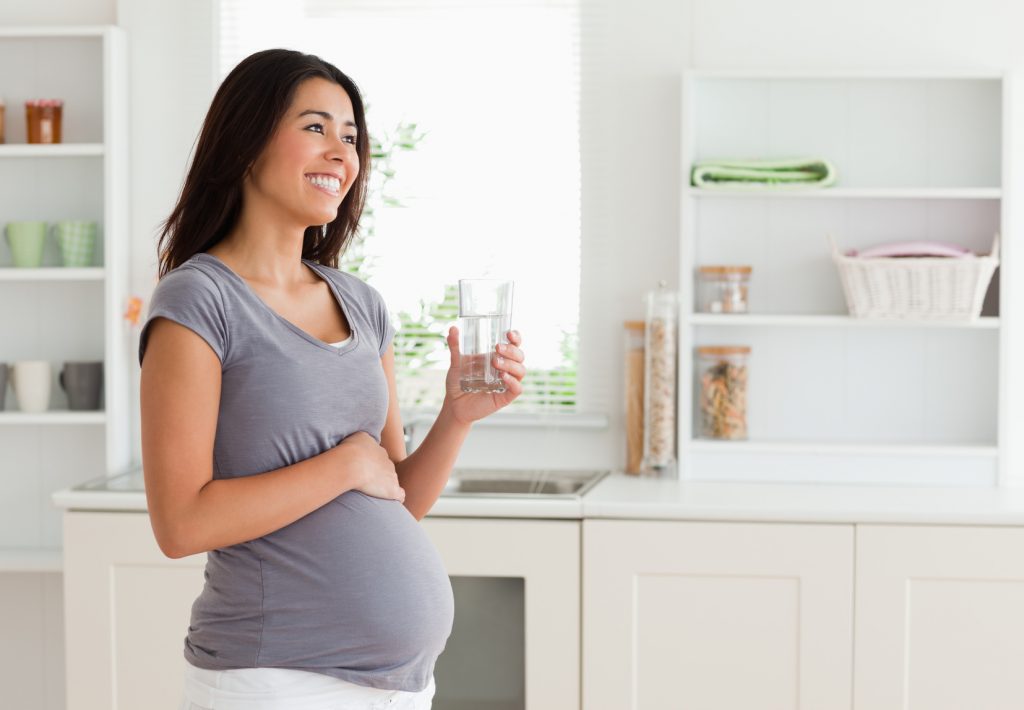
(242, 118)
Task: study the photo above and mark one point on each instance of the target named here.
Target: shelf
(57, 416)
(853, 193)
(799, 74)
(31, 560)
(832, 321)
(52, 273)
(50, 150)
(705, 446)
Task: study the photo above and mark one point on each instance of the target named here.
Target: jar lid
(634, 325)
(725, 269)
(723, 350)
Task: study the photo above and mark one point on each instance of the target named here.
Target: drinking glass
(26, 240)
(485, 311)
(77, 240)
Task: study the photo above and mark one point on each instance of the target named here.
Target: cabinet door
(940, 618)
(717, 616)
(127, 605)
(126, 610)
(545, 554)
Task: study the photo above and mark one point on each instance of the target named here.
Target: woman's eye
(320, 130)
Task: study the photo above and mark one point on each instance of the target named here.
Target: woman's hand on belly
(374, 472)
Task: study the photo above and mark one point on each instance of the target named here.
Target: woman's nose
(338, 150)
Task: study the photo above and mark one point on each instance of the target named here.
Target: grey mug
(83, 382)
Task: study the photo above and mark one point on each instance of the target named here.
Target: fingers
(453, 344)
(511, 352)
(513, 385)
(510, 366)
(509, 357)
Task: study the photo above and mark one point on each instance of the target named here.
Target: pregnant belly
(356, 584)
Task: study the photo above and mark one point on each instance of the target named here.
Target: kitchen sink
(498, 483)
(541, 483)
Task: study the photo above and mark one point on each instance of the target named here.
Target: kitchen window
(475, 104)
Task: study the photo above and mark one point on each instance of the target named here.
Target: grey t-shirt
(355, 589)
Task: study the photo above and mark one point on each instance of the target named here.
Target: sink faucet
(409, 427)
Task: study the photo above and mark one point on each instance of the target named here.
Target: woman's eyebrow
(324, 115)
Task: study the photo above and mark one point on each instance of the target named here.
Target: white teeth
(328, 183)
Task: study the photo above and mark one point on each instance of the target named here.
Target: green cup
(26, 240)
(77, 240)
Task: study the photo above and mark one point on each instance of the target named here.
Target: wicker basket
(916, 287)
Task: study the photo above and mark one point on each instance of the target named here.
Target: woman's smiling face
(310, 163)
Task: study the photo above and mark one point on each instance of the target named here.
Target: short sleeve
(191, 298)
(385, 329)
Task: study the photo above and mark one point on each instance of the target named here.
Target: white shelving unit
(63, 314)
(44, 273)
(830, 321)
(833, 398)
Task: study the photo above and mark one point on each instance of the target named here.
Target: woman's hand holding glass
(468, 407)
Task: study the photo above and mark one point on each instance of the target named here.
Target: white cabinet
(940, 618)
(832, 398)
(724, 616)
(128, 611)
(717, 616)
(710, 615)
(543, 557)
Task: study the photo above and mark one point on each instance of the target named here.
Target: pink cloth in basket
(912, 249)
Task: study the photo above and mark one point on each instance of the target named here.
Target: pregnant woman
(271, 436)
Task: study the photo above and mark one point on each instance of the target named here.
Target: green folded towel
(763, 174)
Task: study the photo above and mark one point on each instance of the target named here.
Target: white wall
(170, 86)
(59, 12)
(631, 166)
(866, 34)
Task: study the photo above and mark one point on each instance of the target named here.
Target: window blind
(492, 188)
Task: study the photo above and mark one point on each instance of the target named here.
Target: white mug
(31, 382)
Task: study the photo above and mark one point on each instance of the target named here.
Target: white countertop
(126, 493)
(630, 497)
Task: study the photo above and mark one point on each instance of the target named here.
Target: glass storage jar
(723, 289)
(722, 388)
(660, 381)
(633, 347)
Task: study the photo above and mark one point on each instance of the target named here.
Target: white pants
(287, 689)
